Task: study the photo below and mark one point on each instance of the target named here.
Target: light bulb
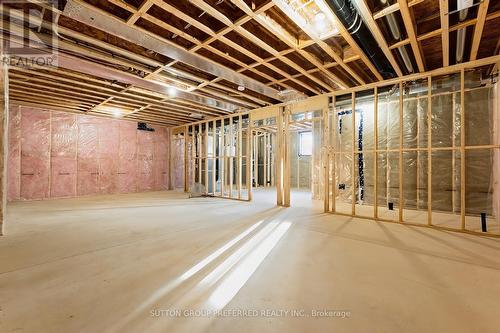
(320, 23)
(172, 91)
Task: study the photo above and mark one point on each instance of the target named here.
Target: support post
(231, 157)
(199, 139)
(248, 165)
(256, 160)
(417, 187)
(222, 175)
(429, 151)
(186, 160)
(193, 156)
(4, 146)
(326, 159)
(238, 157)
(214, 157)
(375, 144)
(401, 125)
(206, 157)
(462, 149)
(453, 153)
(279, 160)
(334, 155)
(265, 158)
(353, 167)
(286, 160)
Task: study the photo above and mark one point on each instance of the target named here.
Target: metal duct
(396, 34)
(459, 52)
(351, 19)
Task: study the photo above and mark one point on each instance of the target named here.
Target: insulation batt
(61, 155)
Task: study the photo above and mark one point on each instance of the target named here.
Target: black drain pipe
(350, 18)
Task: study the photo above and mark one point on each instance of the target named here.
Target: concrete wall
(56, 155)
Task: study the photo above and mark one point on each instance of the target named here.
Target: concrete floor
(146, 262)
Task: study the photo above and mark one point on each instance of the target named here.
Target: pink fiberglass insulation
(63, 164)
(146, 180)
(56, 154)
(35, 153)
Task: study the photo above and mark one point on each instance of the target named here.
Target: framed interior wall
(268, 154)
(178, 159)
(421, 151)
(218, 156)
(308, 116)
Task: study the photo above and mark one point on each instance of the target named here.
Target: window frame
(300, 150)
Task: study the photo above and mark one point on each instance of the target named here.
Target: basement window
(305, 143)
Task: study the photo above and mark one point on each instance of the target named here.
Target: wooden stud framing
(239, 156)
(224, 162)
(186, 159)
(284, 127)
(256, 160)
(401, 145)
(326, 159)
(286, 158)
(279, 162)
(206, 158)
(231, 158)
(222, 158)
(150, 111)
(429, 150)
(333, 152)
(214, 157)
(265, 159)
(462, 150)
(248, 166)
(199, 143)
(353, 168)
(193, 154)
(375, 144)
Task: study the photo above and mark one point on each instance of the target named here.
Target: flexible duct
(350, 18)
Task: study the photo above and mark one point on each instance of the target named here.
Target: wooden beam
(97, 18)
(410, 29)
(290, 40)
(478, 29)
(393, 8)
(237, 27)
(437, 32)
(444, 17)
(143, 8)
(299, 20)
(386, 11)
(220, 36)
